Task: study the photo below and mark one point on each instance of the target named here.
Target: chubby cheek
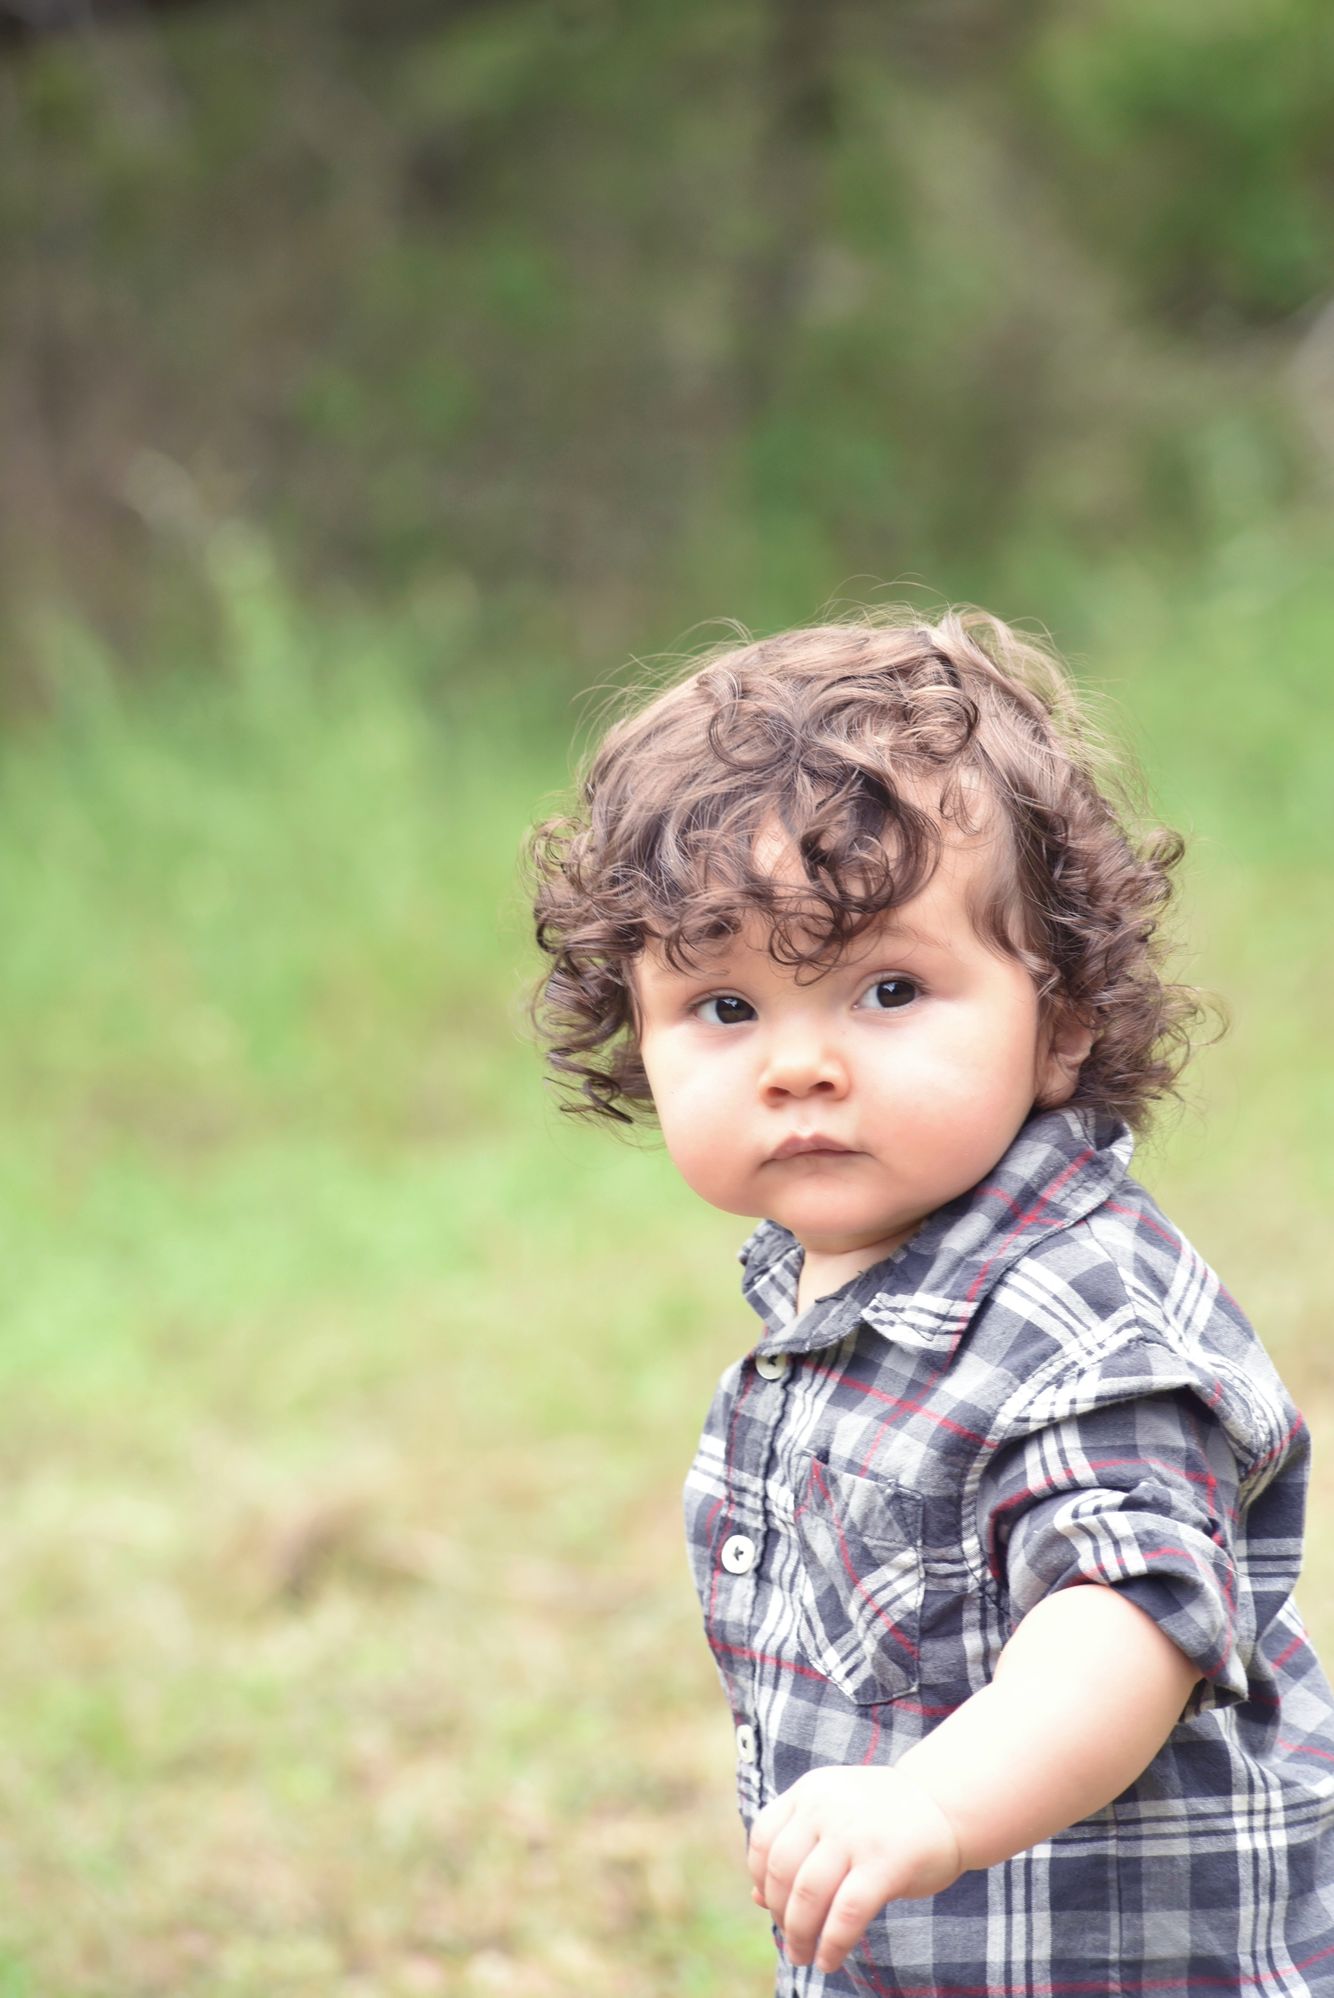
(699, 1129)
(702, 1170)
(963, 1103)
(691, 1139)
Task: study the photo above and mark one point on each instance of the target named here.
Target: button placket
(740, 1555)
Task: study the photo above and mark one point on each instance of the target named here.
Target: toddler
(995, 1528)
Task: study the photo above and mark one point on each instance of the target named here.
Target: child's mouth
(796, 1146)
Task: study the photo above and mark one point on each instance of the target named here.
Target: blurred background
(379, 379)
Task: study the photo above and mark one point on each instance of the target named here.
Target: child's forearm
(1085, 1694)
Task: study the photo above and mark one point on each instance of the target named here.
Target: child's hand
(828, 1854)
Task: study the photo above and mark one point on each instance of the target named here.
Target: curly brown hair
(865, 741)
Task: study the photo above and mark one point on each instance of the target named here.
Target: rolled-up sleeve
(1140, 1495)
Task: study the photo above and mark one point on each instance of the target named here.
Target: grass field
(347, 1390)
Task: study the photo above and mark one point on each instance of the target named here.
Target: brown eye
(725, 1010)
(889, 994)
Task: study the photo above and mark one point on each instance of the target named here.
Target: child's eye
(724, 1010)
(887, 994)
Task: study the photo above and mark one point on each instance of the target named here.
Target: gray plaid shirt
(1045, 1386)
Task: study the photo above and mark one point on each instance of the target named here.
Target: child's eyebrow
(889, 926)
(888, 933)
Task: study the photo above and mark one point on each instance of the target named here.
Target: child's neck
(826, 1270)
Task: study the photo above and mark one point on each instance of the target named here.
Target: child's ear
(1065, 1047)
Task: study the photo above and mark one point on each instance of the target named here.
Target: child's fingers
(789, 1853)
(808, 1904)
(861, 1894)
(763, 1832)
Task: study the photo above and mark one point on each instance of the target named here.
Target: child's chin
(834, 1231)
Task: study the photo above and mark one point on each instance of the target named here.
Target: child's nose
(802, 1064)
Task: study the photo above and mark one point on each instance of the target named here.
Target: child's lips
(798, 1146)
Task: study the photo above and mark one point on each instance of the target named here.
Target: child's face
(851, 1105)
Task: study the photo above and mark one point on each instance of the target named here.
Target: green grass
(349, 1644)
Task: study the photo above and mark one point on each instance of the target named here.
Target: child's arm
(1085, 1694)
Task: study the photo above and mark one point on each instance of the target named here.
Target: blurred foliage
(627, 308)
(1199, 152)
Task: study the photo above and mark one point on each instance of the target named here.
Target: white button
(745, 1742)
(771, 1366)
(739, 1554)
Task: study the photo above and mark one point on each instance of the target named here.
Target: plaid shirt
(1045, 1386)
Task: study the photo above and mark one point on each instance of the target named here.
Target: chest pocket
(860, 1599)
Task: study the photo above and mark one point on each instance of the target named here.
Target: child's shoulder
(1120, 1304)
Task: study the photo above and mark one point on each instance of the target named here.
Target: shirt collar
(1062, 1165)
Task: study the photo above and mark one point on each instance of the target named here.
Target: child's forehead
(942, 916)
(964, 865)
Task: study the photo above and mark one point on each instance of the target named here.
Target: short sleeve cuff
(1180, 1575)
